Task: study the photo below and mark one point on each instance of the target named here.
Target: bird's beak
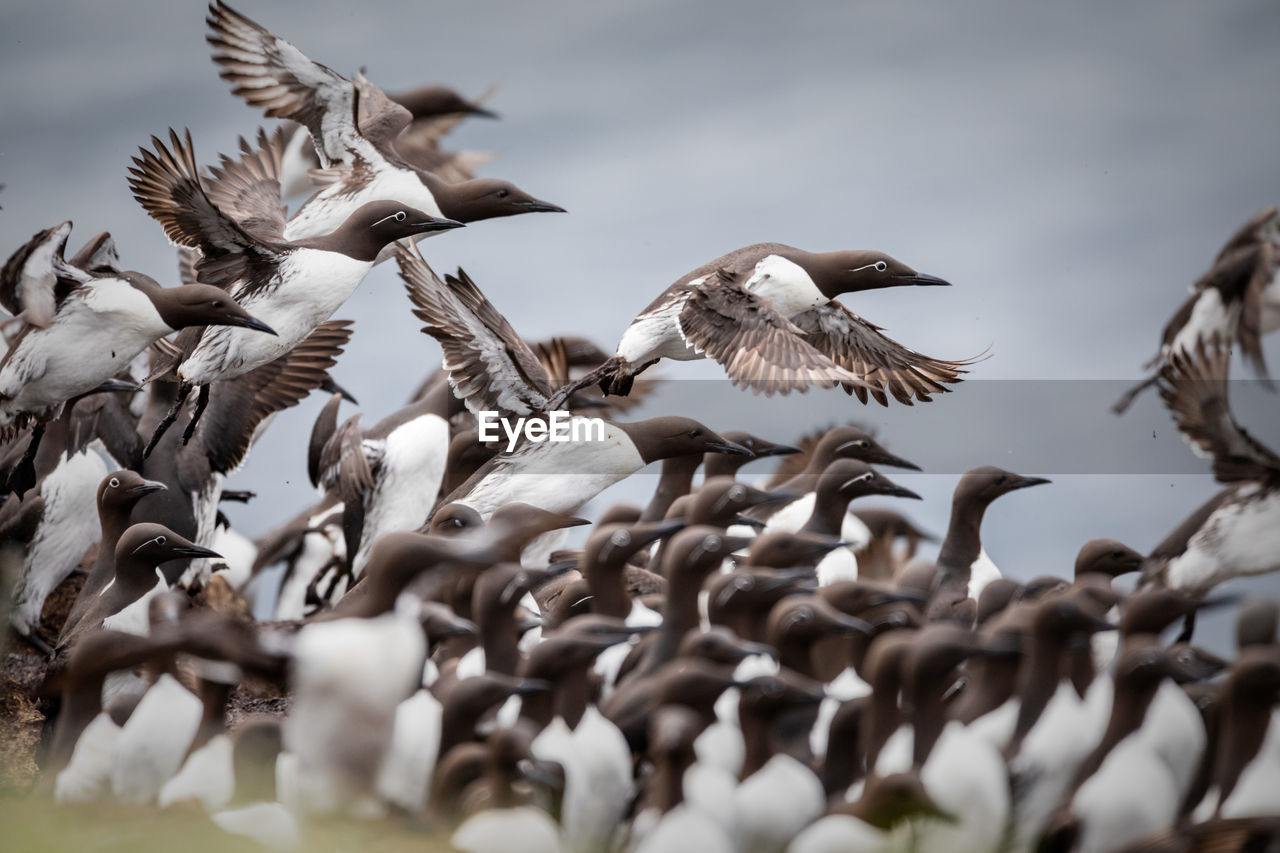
(461, 628)
(894, 490)
(250, 322)
(482, 112)
(775, 450)
(1026, 482)
(536, 206)
(147, 487)
(195, 551)
(921, 279)
(749, 522)
(721, 445)
(436, 224)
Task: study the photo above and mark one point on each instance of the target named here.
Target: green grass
(35, 825)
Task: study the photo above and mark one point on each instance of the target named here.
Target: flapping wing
(35, 279)
(168, 186)
(344, 465)
(98, 256)
(270, 73)
(490, 368)
(238, 407)
(758, 347)
(887, 366)
(247, 188)
(1194, 387)
(1250, 232)
(1240, 274)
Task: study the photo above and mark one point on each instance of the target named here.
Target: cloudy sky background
(1071, 168)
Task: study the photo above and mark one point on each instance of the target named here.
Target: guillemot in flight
(82, 327)
(1234, 534)
(1237, 300)
(295, 284)
(768, 315)
(434, 110)
(354, 126)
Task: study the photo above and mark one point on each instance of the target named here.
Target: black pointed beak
(526, 686)
(537, 206)
(436, 224)
(482, 112)
(748, 521)
(722, 445)
(643, 534)
(194, 551)
(461, 628)
(248, 322)
(114, 386)
(775, 450)
(736, 543)
(921, 279)
(1027, 482)
(147, 487)
(843, 623)
(896, 491)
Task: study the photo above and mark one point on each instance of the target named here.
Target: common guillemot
(295, 284)
(80, 328)
(767, 314)
(1234, 533)
(354, 125)
(1237, 300)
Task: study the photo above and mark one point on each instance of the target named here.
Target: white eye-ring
(881, 266)
(160, 540)
(401, 216)
(114, 482)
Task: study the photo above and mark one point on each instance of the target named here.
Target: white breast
(774, 804)
(656, 334)
(786, 286)
(206, 777)
(492, 831)
(1209, 317)
(87, 776)
(981, 573)
(1132, 795)
(405, 777)
(1240, 538)
(135, 619)
(154, 740)
(1255, 792)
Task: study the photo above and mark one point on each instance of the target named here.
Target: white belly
(91, 340)
(981, 573)
(154, 740)
(1209, 317)
(319, 282)
(785, 284)
(136, 617)
(1240, 538)
(656, 335)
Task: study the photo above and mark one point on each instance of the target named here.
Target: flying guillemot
(80, 328)
(768, 314)
(1237, 300)
(354, 125)
(295, 284)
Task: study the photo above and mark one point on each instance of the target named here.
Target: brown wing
(796, 462)
(887, 366)
(247, 188)
(237, 407)
(1250, 232)
(344, 466)
(98, 256)
(168, 186)
(758, 347)
(1194, 387)
(273, 75)
(490, 367)
(424, 134)
(322, 431)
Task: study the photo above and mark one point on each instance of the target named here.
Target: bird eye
(160, 540)
(503, 193)
(803, 614)
(695, 433)
(1186, 656)
(401, 216)
(862, 442)
(113, 482)
(1117, 554)
(881, 266)
(456, 522)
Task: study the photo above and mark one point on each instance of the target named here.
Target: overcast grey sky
(1071, 167)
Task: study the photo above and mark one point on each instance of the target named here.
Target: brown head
(194, 305)
(377, 224)
(851, 442)
(431, 101)
(484, 198)
(784, 550)
(668, 436)
(720, 499)
(120, 490)
(853, 270)
(1107, 557)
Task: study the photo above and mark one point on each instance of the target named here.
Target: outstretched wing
(35, 279)
(168, 186)
(247, 188)
(238, 407)
(490, 367)
(1194, 387)
(888, 367)
(758, 347)
(272, 74)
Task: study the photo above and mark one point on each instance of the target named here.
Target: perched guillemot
(118, 493)
(434, 111)
(963, 566)
(1234, 533)
(354, 126)
(767, 314)
(1237, 300)
(295, 284)
(80, 328)
(883, 557)
(136, 579)
(719, 465)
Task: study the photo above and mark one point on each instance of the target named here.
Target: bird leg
(183, 390)
(602, 375)
(23, 475)
(201, 402)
